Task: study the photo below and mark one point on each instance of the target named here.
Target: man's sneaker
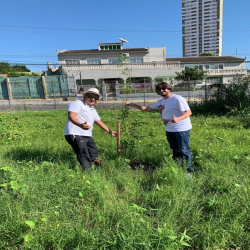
(98, 162)
(190, 169)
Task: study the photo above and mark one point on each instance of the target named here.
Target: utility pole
(144, 91)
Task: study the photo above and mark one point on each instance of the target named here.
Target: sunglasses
(159, 90)
(92, 97)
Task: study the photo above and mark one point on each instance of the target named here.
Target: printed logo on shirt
(160, 108)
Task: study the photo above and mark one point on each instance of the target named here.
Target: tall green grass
(140, 201)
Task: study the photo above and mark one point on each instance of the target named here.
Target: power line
(113, 36)
(46, 64)
(98, 30)
(104, 30)
(58, 34)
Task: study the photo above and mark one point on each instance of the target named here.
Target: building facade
(143, 67)
(201, 27)
(112, 64)
(223, 67)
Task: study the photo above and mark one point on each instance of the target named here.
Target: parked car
(200, 85)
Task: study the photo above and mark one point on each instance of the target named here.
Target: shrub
(231, 99)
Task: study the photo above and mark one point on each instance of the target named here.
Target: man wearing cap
(78, 130)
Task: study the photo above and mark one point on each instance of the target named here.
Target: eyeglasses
(92, 97)
(159, 90)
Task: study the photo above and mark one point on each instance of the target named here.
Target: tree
(207, 54)
(191, 74)
(20, 68)
(123, 59)
(6, 68)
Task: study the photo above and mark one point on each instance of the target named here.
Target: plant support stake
(118, 137)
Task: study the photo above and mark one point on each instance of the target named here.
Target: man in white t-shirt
(175, 113)
(78, 130)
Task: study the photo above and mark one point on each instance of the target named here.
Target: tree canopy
(191, 74)
(207, 54)
(6, 68)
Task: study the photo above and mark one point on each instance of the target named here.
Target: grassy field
(141, 201)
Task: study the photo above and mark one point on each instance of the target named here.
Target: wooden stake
(8, 110)
(118, 138)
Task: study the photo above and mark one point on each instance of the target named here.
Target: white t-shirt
(84, 113)
(174, 105)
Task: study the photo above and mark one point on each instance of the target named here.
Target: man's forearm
(185, 115)
(142, 108)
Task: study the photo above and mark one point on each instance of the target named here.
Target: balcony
(151, 65)
(225, 72)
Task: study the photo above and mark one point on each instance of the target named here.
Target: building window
(72, 62)
(214, 66)
(93, 61)
(136, 59)
(114, 60)
(110, 47)
(192, 66)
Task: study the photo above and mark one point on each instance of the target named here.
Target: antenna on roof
(123, 40)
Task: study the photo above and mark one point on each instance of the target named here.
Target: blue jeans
(179, 143)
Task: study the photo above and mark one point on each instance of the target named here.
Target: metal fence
(3, 89)
(26, 87)
(190, 93)
(35, 87)
(57, 86)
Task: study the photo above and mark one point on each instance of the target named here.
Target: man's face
(163, 91)
(91, 99)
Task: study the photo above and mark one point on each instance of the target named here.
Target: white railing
(227, 72)
(122, 66)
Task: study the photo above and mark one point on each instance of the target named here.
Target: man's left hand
(174, 120)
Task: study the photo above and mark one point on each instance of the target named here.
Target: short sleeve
(75, 107)
(182, 104)
(156, 104)
(96, 116)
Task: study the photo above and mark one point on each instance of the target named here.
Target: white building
(144, 67)
(99, 66)
(225, 67)
(201, 27)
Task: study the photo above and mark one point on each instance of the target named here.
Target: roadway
(51, 104)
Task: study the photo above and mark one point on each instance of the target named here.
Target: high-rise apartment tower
(201, 27)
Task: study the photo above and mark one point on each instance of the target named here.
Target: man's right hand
(127, 103)
(85, 126)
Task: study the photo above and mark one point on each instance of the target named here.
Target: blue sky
(32, 31)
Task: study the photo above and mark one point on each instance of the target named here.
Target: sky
(32, 30)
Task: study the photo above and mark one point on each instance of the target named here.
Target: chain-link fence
(192, 92)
